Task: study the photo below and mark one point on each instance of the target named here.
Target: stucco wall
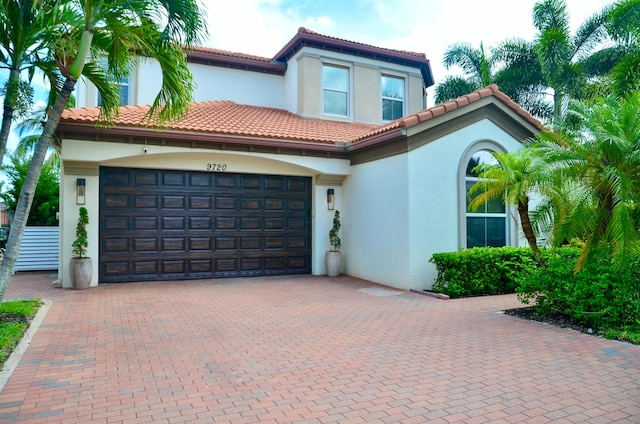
(436, 213)
(85, 157)
(375, 223)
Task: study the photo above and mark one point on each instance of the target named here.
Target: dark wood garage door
(168, 225)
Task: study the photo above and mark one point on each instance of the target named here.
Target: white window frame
(128, 83)
(347, 92)
(485, 145)
(393, 99)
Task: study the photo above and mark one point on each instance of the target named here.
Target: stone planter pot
(81, 272)
(333, 263)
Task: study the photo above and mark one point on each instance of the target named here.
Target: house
(240, 186)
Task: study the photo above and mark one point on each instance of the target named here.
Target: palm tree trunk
(527, 228)
(9, 102)
(28, 189)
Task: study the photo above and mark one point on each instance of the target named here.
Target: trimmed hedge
(481, 270)
(597, 296)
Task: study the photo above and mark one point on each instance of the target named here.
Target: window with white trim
(123, 86)
(486, 226)
(392, 98)
(335, 86)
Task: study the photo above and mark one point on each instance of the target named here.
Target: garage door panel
(115, 201)
(200, 223)
(200, 202)
(274, 205)
(142, 223)
(143, 177)
(173, 223)
(173, 245)
(249, 181)
(145, 245)
(174, 179)
(146, 202)
(115, 223)
(224, 181)
(167, 225)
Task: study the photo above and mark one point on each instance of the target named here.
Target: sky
(263, 27)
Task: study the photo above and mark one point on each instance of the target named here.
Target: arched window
(487, 225)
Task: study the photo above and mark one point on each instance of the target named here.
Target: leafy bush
(597, 296)
(481, 270)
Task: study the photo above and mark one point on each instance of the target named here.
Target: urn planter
(333, 263)
(81, 271)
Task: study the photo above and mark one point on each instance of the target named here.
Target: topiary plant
(334, 239)
(81, 243)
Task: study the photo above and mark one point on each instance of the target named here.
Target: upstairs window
(335, 84)
(486, 226)
(392, 98)
(123, 86)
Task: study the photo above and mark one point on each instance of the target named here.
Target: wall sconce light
(81, 191)
(330, 199)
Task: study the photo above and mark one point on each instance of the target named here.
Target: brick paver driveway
(306, 349)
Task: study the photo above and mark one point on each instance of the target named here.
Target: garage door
(168, 225)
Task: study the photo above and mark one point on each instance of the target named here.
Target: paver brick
(306, 349)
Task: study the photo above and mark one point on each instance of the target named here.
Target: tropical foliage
(603, 55)
(82, 33)
(47, 194)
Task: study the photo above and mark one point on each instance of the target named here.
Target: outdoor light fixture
(80, 191)
(330, 199)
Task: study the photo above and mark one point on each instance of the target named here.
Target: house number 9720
(217, 167)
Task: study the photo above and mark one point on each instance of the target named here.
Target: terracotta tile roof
(227, 53)
(229, 118)
(303, 30)
(451, 105)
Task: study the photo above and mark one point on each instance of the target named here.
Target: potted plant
(333, 257)
(81, 268)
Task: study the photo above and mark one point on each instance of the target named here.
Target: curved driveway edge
(12, 362)
(307, 349)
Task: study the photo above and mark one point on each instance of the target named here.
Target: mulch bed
(556, 319)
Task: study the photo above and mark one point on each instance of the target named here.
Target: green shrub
(481, 270)
(596, 297)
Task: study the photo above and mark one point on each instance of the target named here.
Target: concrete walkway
(306, 349)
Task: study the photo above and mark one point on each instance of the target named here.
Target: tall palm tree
(477, 71)
(26, 34)
(624, 28)
(119, 30)
(567, 63)
(522, 83)
(602, 158)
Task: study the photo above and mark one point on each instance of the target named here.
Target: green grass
(14, 318)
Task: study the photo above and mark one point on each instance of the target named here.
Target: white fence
(39, 249)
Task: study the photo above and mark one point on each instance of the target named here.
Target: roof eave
(216, 59)
(303, 39)
(67, 130)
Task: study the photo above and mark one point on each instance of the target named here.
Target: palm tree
(567, 63)
(521, 83)
(624, 29)
(119, 30)
(513, 179)
(476, 66)
(26, 33)
(602, 159)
